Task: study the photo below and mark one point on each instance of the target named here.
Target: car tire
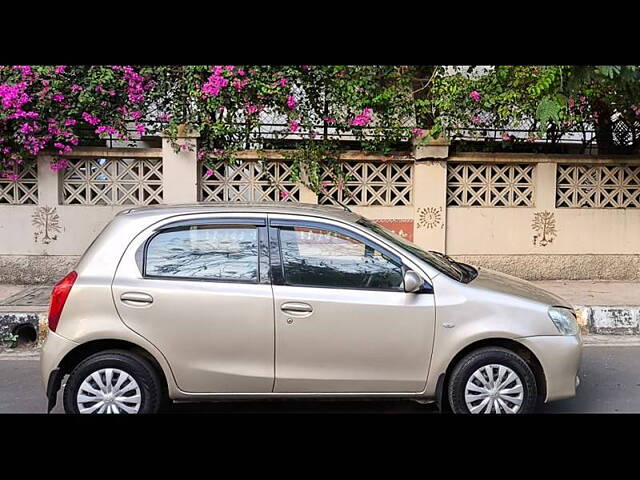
(475, 383)
(139, 388)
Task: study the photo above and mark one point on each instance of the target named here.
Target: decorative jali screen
(490, 184)
(24, 191)
(370, 183)
(113, 181)
(598, 186)
(259, 181)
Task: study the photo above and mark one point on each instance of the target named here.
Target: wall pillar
(307, 195)
(545, 186)
(429, 200)
(49, 183)
(180, 172)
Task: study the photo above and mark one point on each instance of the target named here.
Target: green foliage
(542, 99)
(10, 340)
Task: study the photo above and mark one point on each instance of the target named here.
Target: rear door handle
(136, 299)
(297, 309)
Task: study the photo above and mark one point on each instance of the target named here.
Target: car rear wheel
(113, 382)
(492, 380)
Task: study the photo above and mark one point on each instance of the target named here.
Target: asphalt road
(610, 383)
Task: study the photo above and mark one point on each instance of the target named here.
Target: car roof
(326, 211)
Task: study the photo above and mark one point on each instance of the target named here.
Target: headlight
(564, 319)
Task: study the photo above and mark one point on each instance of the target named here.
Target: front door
(343, 320)
(201, 294)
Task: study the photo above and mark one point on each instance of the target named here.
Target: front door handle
(297, 309)
(136, 299)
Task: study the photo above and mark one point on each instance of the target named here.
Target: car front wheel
(492, 380)
(113, 382)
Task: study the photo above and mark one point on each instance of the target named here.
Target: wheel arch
(513, 345)
(85, 350)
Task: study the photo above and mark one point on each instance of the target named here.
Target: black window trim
(277, 265)
(257, 223)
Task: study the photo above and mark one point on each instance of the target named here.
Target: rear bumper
(53, 351)
(560, 357)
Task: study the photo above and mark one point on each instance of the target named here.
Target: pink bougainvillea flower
(293, 126)
(240, 84)
(208, 173)
(26, 69)
(284, 195)
(14, 96)
(418, 131)
(291, 102)
(76, 88)
(283, 82)
(90, 119)
(241, 73)
(140, 128)
(215, 83)
(218, 152)
(26, 128)
(363, 119)
(136, 114)
(304, 67)
(506, 137)
(476, 119)
(251, 109)
(59, 70)
(10, 176)
(164, 117)
(69, 122)
(58, 97)
(58, 165)
(106, 129)
(475, 95)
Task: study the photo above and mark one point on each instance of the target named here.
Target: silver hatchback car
(235, 301)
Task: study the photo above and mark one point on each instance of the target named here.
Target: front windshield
(437, 260)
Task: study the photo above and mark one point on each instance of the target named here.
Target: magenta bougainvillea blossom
(363, 119)
(475, 96)
(55, 108)
(46, 107)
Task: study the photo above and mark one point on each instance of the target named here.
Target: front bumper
(560, 356)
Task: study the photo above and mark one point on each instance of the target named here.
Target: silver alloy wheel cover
(494, 388)
(109, 390)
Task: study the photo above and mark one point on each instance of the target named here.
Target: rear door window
(208, 252)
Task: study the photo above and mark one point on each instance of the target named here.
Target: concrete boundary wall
(514, 225)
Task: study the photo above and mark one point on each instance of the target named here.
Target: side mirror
(412, 281)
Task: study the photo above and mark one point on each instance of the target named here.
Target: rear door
(200, 292)
(343, 320)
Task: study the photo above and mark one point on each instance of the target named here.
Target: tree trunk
(604, 128)
(420, 76)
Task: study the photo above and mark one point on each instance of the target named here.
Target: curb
(609, 320)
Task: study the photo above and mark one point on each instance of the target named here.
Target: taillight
(58, 298)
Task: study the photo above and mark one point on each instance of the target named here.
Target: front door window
(318, 257)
